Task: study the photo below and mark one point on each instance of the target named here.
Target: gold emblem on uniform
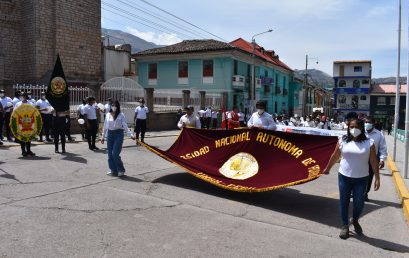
(240, 166)
(25, 122)
(58, 85)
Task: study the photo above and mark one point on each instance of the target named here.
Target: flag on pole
(57, 92)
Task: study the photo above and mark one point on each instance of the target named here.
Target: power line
(143, 19)
(143, 10)
(181, 19)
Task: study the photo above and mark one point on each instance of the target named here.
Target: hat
(24, 94)
(1, 91)
(190, 107)
(261, 104)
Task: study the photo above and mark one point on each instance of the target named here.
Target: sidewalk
(400, 152)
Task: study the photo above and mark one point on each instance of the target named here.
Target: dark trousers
(82, 128)
(92, 131)
(370, 179)
(207, 121)
(5, 122)
(68, 127)
(214, 123)
(59, 131)
(140, 128)
(46, 126)
(25, 147)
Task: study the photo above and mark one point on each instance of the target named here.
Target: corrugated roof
(388, 89)
(352, 61)
(267, 55)
(188, 46)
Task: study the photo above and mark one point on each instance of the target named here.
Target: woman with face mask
(261, 119)
(114, 127)
(357, 153)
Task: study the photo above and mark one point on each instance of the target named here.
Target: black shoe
(31, 153)
(63, 150)
(25, 154)
(357, 227)
(9, 139)
(95, 148)
(56, 151)
(344, 232)
(366, 198)
(41, 140)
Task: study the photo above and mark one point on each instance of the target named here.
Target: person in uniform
(189, 120)
(208, 117)
(233, 118)
(215, 115)
(17, 97)
(141, 114)
(60, 126)
(7, 104)
(25, 146)
(80, 115)
(31, 100)
(45, 110)
(90, 114)
(380, 149)
(261, 119)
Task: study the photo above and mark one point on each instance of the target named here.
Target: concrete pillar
(225, 100)
(186, 98)
(202, 99)
(149, 98)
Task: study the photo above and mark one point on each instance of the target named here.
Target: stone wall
(32, 32)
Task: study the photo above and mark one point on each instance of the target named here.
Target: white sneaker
(109, 173)
(121, 173)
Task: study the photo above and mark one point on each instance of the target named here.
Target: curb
(400, 186)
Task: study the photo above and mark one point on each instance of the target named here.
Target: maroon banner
(250, 160)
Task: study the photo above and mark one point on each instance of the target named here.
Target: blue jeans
(115, 139)
(348, 185)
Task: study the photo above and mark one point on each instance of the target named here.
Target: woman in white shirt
(114, 127)
(356, 152)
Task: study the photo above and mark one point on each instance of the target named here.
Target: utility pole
(397, 94)
(305, 95)
(405, 160)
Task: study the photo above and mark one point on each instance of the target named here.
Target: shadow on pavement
(380, 243)
(34, 158)
(74, 158)
(130, 179)
(289, 201)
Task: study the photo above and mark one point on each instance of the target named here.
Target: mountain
(388, 80)
(117, 37)
(316, 77)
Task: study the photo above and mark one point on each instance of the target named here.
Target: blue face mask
(368, 126)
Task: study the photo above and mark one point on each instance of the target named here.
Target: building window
(365, 81)
(284, 82)
(381, 101)
(183, 69)
(354, 101)
(342, 83)
(153, 71)
(276, 80)
(356, 84)
(392, 101)
(207, 68)
(248, 70)
(235, 67)
(357, 69)
(363, 97)
(265, 73)
(342, 99)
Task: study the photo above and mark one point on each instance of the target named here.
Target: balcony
(353, 106)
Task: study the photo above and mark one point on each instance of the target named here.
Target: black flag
(57, 93)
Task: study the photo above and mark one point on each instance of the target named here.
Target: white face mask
(113, 109)
(1, 95)
(368, 126)
(355, 132)
(29, 96)
(260, 111)
(308, 119)
(43, 97)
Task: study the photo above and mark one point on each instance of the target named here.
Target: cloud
(379, 11)
(159, 39)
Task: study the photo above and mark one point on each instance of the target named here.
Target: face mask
(368, 126)
(1, 95)
(260, 111)
(20, 98)
(355, 132)
(308, 119)
(43, 97)
(113, 109)
(29, 96)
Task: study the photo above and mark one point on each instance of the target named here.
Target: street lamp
(306, 84)
(252, 94)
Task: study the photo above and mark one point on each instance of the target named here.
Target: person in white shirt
(261, 119)
(45, 110)
(215, 114)
(31, 100)
(5, 115)
(202, 115)
(189, 120)
(91, 112)
(141, 114)
(242, 119)
(80, 115)
(380, 148)
(357, 153)
(17, 97)
(207, 117)
(114, 127)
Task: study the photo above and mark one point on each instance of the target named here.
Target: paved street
(58, 205)
(400, 153)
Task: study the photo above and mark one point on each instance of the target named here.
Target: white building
(352, 83)
(117, 62)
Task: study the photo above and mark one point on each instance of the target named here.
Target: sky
(325, 30)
